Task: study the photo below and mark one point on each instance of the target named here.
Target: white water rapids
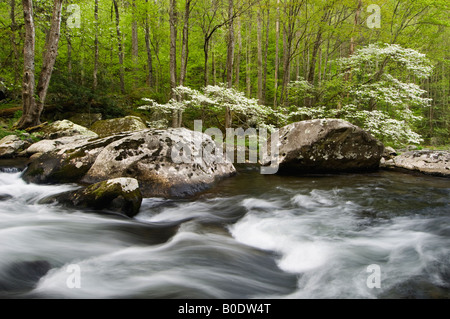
(252, 236)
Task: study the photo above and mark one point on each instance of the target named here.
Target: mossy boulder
(326, 145)
(66, 160)
(63, 128)
(11, 146)
(119, 125)
(120, 195)
(85, 119)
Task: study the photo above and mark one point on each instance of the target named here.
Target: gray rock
(147, 156)
(326, 145)
(120, 195)
(144, 155)
(424, 161)
(119, 125)
(11, 146)
(63, 128)
(68, 161)
(389, 153)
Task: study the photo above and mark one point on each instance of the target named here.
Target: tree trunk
(184, 52)
(13, 42)
(173, 55)
(148, 49)
(238, 55)
(119, 41)
(51, 51)
(260, 57)
(96, 49)
(30, 116)
(277, 52)
(135, 45)
(185, 43)
(69, 58)
(230, 58)
(266, 50)
(248, 56)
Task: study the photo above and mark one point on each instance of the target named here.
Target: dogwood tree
(216, 98)
(379, 92)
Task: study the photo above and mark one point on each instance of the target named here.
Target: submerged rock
(119, 125)
(424, 161)
(326, 145)
(11, 146)
(121, 195)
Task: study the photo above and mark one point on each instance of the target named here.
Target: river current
(378, 235)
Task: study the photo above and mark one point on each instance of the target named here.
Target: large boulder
(65, 128)
(64, 160)
(424, 161)
(119, 125)
(11, 146)
(326, 145)
(120, 195)
(147, 156)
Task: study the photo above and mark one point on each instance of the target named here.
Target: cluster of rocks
(121, 161)
(429, 162)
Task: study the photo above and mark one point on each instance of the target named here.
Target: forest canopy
(381, 64)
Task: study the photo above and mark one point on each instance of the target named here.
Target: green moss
(69, 173)
(35, 172)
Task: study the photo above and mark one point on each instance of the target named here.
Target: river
(251, 236)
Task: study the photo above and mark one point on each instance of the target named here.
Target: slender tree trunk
(173, 55)
(135, 45)
(69, 57)
(96, 48)
(119, 41)
(51, 51)
(213, 63)
(277, 53)
(32, 107)
(185, 43)
(30, 115)
(355, 24)
(230, 58)
(286, 63)
(266, 50)
(238, 55)
(148, 49)
(184, 52)
(248, 56)
(260, 57)
(13, 42)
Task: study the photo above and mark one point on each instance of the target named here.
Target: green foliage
(407, 26)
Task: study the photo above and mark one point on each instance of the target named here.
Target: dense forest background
(285, 54)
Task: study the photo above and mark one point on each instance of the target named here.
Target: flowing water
(252, 236)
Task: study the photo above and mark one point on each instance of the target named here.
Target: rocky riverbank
(143, 157)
